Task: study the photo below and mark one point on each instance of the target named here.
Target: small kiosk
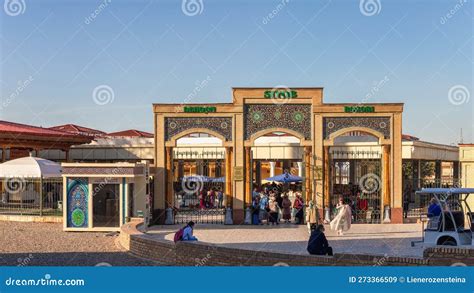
(102, 197)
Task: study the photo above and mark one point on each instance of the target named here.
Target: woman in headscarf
(286, 208)
(298, 205)
(311, 216)
(273, 210)
(342, 220)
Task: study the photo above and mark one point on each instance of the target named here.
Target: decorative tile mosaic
(221, 125)
(77, 203)
(264, 116)
(333, 124)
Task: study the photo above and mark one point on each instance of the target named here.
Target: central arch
(275, 151)
(357, 170)
(264, 132)
(172, 141)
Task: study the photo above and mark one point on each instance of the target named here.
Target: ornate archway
(296, 156)
(199, 184)
(360, 174)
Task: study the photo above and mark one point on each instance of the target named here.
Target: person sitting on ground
(188, 232)
(317, 243)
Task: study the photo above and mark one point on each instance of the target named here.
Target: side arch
(334, 135)
(174, 138)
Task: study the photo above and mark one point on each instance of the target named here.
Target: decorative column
(420, 176)
(327, 178)
(200, 167)
(180, 170)
(414, 174)
(386, 182)
(248, 186)
(300, 168)
(307, 161)
(169, 187)
(258, 173)
(228, 186)
(438, 174)
(419, 181)
(272, 168)
(456, 181)
(67, 153)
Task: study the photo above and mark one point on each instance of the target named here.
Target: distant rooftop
(23, 136)
(18, 128)
(409, 137)
(131, 133)
(81, 130)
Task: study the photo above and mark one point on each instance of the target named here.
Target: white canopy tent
(30, 167)
(30, 186)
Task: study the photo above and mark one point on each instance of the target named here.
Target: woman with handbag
(273, 210)
(298, 205)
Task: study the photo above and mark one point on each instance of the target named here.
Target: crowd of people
(273, 205)
(212, 198)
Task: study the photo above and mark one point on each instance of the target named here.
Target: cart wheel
(449, 243)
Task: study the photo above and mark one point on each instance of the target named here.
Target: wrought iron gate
(357, 179)
(199, 186)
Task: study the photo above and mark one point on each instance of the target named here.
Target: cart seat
(470, 216)
(433, 223)
(458, 223)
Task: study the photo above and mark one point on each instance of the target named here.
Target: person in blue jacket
(434, 209)
(188, 232)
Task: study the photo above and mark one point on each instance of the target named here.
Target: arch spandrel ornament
(333, 125)
(294, 117)
(177, 125)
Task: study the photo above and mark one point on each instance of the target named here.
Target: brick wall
(446, 256)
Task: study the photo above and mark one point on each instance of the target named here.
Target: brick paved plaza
(393, 240)
(45, 244)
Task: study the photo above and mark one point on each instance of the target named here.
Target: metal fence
(418, 204)
(31, 196)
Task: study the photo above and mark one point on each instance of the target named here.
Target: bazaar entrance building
(353, 151)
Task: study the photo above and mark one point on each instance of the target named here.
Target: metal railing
(31, 196)
(418, 205)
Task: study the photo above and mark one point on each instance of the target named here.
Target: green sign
(199, 109)
(280, 94)
(359, 109)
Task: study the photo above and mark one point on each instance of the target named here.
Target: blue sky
(55, 53)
